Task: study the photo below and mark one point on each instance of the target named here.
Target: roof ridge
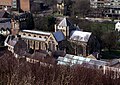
(65, 22)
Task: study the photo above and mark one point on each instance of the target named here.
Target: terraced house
(109, 8)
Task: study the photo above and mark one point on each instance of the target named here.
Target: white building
(117, 26)
(97, 3)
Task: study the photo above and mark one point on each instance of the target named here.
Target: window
(0, 7)
(63, 30)
(45, 37)
(24, 34)
(34, 35)
(14, 4)
(39, 45)
(36, 45)
(29, 35)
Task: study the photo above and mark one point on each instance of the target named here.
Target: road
(99, 19)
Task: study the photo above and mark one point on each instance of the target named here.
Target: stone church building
(50, 41)
(85, 40)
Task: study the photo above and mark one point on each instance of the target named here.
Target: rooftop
(37, 32)
(80, 36)
(65, 22)
(2, 20)
(33, 38)
(59, 36)
(5, 25)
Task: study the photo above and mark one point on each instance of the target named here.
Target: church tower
(64, 26)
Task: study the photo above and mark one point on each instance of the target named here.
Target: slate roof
(65, 22)
(2, 14)
(37, 32)
(5, 25)
(33, 38)
(59, 1)
(80, 36)
(3, 20)
(59, 36)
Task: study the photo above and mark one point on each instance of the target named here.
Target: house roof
(2, 14)
(65, 22)
(33, 38)
(2, 20)
(59, 36)
(59, 1)
(37, 32)
(5, 25)
(80, 36)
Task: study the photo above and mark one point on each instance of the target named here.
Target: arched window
(45, 37)
(34, 35)
(29, 35)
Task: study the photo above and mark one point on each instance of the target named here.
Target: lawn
(111, 55)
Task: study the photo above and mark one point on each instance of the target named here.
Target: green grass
(111, 55)
(58, 15)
